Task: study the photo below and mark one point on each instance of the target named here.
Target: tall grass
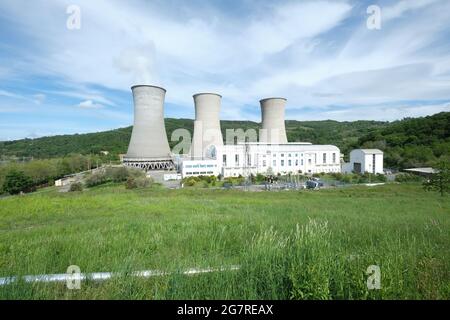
(289, 245)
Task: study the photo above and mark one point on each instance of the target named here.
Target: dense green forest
(412, 142)
(406, 143)
(343, 134)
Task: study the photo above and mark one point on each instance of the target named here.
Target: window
(373, 163)
(274, 163)
(236, 159)
(301, 162)
(282, 163)
(289, 155)
(289, 163)
(224, 159)
(334, 157)
(296, 155)
(282, 155)
(309, 161)
(296, 162)
(264, 163)
(324, 158)
(249, 160)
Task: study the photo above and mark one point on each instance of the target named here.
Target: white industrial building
(262, 158)
(364, 160)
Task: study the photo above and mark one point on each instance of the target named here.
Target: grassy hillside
(289, 245)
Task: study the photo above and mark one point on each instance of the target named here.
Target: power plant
(207, 134)
(149, 148)
(272, 124)
(208, 155)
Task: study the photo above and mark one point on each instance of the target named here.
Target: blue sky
(320, 55)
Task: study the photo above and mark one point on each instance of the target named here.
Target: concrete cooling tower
(273, 129)
(149, 148)
(207, 134)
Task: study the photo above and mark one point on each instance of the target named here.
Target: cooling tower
(207, 134)
(273, 129)
(149, 148)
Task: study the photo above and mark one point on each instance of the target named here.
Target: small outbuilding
(364, 160)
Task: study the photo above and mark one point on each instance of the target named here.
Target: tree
(440, 180)
(16, 182)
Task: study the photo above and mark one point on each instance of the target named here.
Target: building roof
(369, 151)
(421, 170)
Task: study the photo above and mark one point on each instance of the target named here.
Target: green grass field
(289, 244)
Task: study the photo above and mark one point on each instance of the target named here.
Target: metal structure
(273, 129)
(207, 133)
(149, 148)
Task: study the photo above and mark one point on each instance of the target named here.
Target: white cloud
(89, 104)
(39, 98)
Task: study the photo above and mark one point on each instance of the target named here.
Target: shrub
(117, 174)
(76, 186)
(407, 177)
(16, 182)
(260, 177)
(139, 182)
(440, 180)
(95, 179)
(381, 177)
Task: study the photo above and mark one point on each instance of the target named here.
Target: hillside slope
(412, 142)
(342, 134)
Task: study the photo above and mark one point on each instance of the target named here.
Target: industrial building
(272, 154)
(364, 160)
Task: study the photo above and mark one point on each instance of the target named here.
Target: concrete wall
(191, 168)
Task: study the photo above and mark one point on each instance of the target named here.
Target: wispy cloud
(89, 104)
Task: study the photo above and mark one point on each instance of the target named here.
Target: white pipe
(99, 276)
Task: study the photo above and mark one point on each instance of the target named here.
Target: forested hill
(342, 134)
(409, 142)
(412, 142)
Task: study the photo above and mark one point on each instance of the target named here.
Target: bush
(16, 182)
(380, 177)
(407, 177)
(96, 179)
(76, 186)
(140, 182)
(113, 174)
(117, 174)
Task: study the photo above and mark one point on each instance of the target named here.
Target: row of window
(236, 160)
(200, 173)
